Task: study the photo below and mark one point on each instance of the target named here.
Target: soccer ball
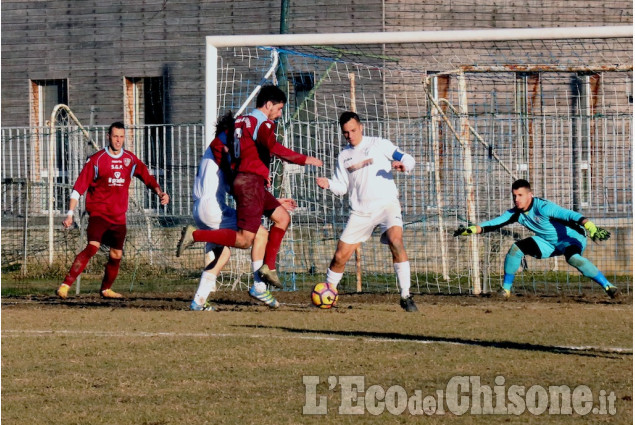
(324, 295)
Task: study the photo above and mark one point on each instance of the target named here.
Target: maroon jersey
(107, 179)
(258, 143)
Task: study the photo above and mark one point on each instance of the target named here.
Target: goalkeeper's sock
(508, 281)
(333, 278)
(403, 277)
(110, 274)
(512, 260)
(79, 264)
(206, 285)
(255, 265)
(601, 280)
(225, 237)
(585, 267)
(273, 246)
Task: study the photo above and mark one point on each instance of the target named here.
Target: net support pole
(358, 249)
(434, 122)
(469, 181)
(211, 95)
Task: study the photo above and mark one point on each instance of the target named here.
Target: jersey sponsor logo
(117, 180)
(116, 167)
(355, 167)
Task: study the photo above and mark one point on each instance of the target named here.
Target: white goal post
(477, 107)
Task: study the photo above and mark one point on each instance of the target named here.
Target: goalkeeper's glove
(596, 233)
(465, 231)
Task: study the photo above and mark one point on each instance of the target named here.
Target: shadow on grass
(586, 351)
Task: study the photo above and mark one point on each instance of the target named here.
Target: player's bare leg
(259, 289)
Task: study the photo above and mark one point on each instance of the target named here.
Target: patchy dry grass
(149, 361)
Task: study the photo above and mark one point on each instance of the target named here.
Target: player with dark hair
(254, 143)
(364, 171)
(106, 178)
(558, 231)
(212, 212)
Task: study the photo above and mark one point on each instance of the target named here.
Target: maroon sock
(225, 237)
(110, 274)
(273, 246)
(79, 264)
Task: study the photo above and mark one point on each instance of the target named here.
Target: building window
(45, 94)
(144, 116)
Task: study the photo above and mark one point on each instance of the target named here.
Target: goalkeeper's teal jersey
(547, 220)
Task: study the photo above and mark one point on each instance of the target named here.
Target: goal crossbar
(213, 43)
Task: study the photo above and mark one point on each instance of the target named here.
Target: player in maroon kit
(255, 135)
(106, 176)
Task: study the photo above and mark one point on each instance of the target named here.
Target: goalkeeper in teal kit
(558, 231)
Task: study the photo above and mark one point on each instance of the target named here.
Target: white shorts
(361, 226)
(209, 216)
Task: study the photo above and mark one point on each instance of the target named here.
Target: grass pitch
(147, 360)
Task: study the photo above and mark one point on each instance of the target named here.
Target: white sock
(206, 285)
(333, 277)
(255, 265)
(403, 277)
(260, 287)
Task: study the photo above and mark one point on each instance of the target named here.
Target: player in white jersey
(364, 172)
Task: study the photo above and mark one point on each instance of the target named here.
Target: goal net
(477, 110)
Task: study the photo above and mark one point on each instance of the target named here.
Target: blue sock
(508, 281)
(602, 280)
(589, 270)
(512, 262)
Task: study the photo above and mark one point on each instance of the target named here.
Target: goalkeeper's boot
(264, 297)
(505, 293)
(612, 291)
(194, 306)
(187, 239)
(109, 293)
(269, 276)
(408, 304)
(62, 291)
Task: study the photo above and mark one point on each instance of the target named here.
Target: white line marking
(140, 334)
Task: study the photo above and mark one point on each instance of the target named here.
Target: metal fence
(433, 201)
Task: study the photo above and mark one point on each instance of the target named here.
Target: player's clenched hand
(164, 198)
(68, 221)
(288, 204)
(398, 166)
(311, 160)
(465, 231)
(323, 182)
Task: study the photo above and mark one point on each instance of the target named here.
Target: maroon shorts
(105, 232)
(252, 201)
